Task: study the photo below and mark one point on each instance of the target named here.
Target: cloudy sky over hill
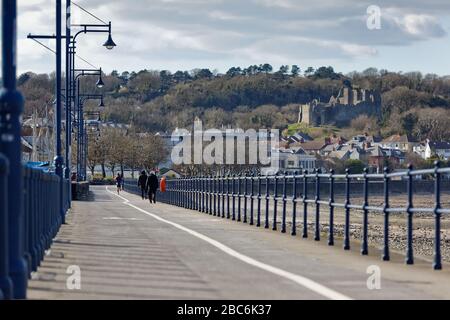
(218, 34)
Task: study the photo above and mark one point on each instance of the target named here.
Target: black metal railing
(42, 219)
(257, 199)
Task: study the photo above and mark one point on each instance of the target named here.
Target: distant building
(312, 147)
(342, 155)
(290, 160)
(438, 149)
(350, 103)
(228, 135)
(399, 142)
(376, 159)
(299, 137)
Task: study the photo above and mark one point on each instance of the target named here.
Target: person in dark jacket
(152, 187)
(119, 183)
(142, 183)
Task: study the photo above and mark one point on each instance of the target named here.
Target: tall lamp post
(82, 147)
(59, 160)
(75, 97)
(11, 107)
(71, 53)
(71, 99)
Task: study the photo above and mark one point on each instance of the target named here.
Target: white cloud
(423, 26)
(192, 33)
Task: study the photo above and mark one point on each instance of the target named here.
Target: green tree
(355, 166)
(295, 70)
(266, 68)
(309, 71)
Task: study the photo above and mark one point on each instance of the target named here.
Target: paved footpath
(128, 249)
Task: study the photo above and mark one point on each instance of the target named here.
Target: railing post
(210, 183)
(186, 193)
(41, 185)
(317, 222)
(6, 290)
(177, 195)
(294, 205)
(193, 193)
(437, 263)
(182, 191)
(386, 254)
(215, 194)
(347, 210)
(35, 221)
(331, 229)
(175, 192)
(202, 180)
(27, 215)
(283, 222)
(228, 196)
(239, 197)
(170, 191)
(252, 199)
(266, 223)
(258, 218)
(189, 193)
(245, 196)
(305, 204)
(234, 197)
(178, 192)
(219, 194)
(365, 235)
(206, 194)
(198, 191)
(275, 203)
(410, 191)
(223, 195)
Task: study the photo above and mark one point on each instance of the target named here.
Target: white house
(437, 148)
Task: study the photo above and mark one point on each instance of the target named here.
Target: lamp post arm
(87, 28)
(46, 37)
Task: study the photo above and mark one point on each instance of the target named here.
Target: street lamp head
(109, 44)
(100, 84)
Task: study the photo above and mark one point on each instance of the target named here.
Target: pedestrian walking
(152, 186)
(119, 182)
(142, 183)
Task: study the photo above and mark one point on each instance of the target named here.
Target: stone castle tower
(350, 103)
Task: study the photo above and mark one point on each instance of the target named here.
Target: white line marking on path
(128, 219)
(303, 281)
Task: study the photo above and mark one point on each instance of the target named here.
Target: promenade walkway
(129, 249)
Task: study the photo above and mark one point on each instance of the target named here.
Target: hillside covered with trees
(256, 97)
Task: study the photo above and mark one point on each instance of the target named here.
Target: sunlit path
(123, 252)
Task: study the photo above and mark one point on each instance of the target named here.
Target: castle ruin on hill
(350, 103)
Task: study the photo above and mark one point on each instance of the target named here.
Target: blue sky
(218, 34)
